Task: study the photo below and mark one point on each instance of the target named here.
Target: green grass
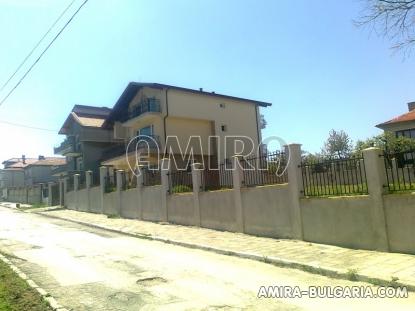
(36, 205)
(401, 187)
(16, 295)
(336, 190)
(181, 189)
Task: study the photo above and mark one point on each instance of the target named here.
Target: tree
(394, 19)
(388, 142)
(338, 145)
(262, 122)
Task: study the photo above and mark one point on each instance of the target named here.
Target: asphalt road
(90, 269)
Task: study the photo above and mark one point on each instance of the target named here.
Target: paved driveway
(88, 269)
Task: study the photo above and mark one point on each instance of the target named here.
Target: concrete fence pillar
(119, 176)
(196, 181)
(65, 190)
(88, 184)
(88, 179)
(165, 169)
(237, 176)
(140, 186)
(103, 171)
(50, 193)
(61, 193)
(376, 180)
(295, 188)
(76, 178)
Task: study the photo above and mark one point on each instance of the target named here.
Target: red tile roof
(409, 116)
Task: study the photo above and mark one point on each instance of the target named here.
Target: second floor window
(148, 131)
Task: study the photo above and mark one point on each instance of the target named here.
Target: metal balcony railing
(67, 146)
(147, 105)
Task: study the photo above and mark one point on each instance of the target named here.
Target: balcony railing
(59, 170)
(141, 142)
(148, 105)
(67, 146)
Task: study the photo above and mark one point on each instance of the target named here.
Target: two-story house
(403, 125)
(86, 139)
(13, 174)
(41, 171)
(162, 112)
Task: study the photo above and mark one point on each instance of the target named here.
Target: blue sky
(306, 57)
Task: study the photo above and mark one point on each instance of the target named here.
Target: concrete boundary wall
(377, 221)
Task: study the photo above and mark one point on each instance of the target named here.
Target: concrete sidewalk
(370, 266)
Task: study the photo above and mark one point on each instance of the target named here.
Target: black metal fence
(95, 182)
(180, 181)
(110, 182)
(151, 176)
(400, 170)
(220, 178)
(334, 177)
(82, 181)
(266, 169)
(70, 184)
(129, 180)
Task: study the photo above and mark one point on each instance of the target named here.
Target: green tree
(386, 141)
(337, 145)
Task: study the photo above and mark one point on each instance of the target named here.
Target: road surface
(90, 269)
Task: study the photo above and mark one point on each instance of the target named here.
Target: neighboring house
(40, 171)
(403, 125)
(13, 174)
(159, 111)
(85, 141)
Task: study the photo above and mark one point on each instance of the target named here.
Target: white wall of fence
(374, 220)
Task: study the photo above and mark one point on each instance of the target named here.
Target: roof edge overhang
(133, 87)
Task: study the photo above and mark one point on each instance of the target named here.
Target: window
(148, 131)
(406, 133)
(222, 105)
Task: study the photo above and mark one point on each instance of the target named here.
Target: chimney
(41, 157)
(411, 106)
(24, 159)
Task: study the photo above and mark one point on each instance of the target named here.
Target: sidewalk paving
(378, 268)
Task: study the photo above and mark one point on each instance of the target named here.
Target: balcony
(150, 105)
(59, 170)
(141, 143)
(68, 148)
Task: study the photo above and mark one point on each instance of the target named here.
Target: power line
(28, 126)
(43, 52)
(36, 46)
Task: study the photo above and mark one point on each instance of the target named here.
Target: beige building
(162, 112)
(403, 125)
(85, 139)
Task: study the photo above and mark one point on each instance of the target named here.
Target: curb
(44, 294)
(276, 261)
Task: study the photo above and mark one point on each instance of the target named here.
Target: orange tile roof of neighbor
(409, 116)
(50, 161)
